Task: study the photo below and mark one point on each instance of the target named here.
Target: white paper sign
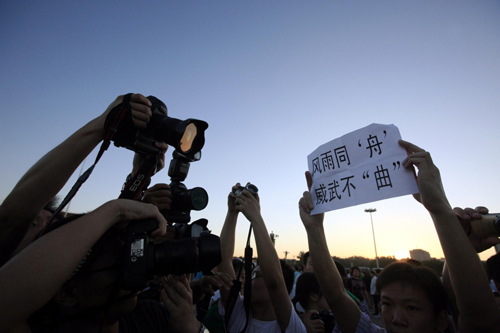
(359, 167)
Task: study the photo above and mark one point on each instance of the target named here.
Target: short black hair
(304, 258)
(341, 269)
(420, 276)
(307, 284)
(355, 267)
(493, 267)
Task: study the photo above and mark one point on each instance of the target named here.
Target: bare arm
(227, 236)
(269, 263)
(345, 310)
(34, 276)
(475, 301)
(46, 178)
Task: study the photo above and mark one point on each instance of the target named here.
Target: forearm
(32, 277)
(272, 274)
(269, 261)
(475, 300)
(227, 240)
(41, 183)
(330, 281)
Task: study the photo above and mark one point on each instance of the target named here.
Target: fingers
(309, 180)
(469, 213)
(177, 289)
(161, 232)
(306, 203)
(159, 195)
(482, 210)
(139, 98)
(410, 146)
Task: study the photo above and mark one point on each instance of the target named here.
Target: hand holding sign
(359, 167)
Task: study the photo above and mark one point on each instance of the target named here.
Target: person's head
(412, 298)
(341, 269)
(372, 273)
(307, 263)
(355, 272)
(237, 265)
(308, 293)
(260, 293)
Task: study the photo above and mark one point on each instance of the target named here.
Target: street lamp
(373, 210)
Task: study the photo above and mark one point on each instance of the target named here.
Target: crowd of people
(69, 278)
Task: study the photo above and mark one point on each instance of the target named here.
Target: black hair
(307, 284)
(341, 269)
(304, 258)
(420, 277)
(493, 267)
(355, 267)
(288, 275)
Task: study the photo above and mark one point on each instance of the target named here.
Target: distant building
(420, 255)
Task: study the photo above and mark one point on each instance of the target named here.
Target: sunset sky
(274, 80)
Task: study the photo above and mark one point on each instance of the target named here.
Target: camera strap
(136, 184)
(113, 120)
(236, 287)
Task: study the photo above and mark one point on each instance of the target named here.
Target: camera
(194, 249)
(488, 225)
(327, 318)
(250, 187)
(183, 199)
(186, 136)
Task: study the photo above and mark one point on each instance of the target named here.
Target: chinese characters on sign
(359, 167)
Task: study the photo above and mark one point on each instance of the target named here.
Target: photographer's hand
(248, 205)
(313, 325)
(231, 199)
(140, 111)
(159, 195)
(178, 299)
(468, 215)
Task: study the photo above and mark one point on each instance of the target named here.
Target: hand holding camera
(247, 201)
(482, 228)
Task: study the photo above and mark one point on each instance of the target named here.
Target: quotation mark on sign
(398, 164)
(367, 176)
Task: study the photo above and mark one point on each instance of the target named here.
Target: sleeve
(365, 325)
(295, 325)
(238, 317)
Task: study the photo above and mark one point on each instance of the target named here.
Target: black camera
(186, 136)
(194, 249)
(183, 199)
(327, 318)
(250, 187)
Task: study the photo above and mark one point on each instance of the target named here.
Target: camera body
(194, 249)
(250, 187)
(186, 136)
(488, 225)
(327, 318)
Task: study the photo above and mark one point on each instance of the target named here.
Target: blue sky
(274, 80)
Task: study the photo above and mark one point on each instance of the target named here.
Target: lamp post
(373, 210)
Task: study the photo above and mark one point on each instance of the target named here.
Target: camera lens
(188, 255)
(195, 198)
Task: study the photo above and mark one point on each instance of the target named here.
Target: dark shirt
(357, 287)
(148, 316)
